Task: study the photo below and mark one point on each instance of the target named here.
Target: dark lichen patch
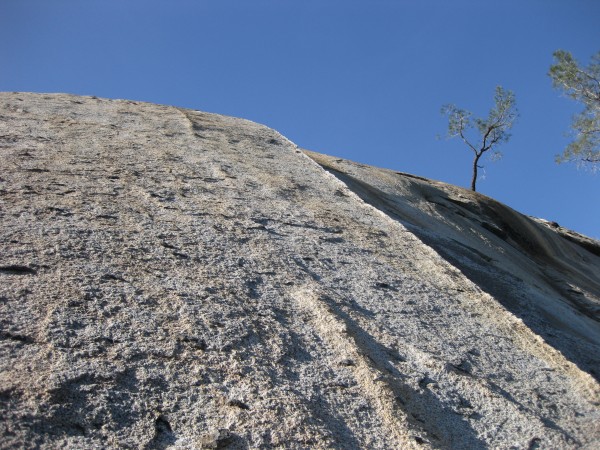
(383, 285)
(16, 269)
(332, 240)
(163, 434)
(238, 404)
(111, 277)
(16, 337)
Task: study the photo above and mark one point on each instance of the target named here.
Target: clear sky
(363, 80)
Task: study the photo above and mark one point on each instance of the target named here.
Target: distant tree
(583, 85)
(489, 132)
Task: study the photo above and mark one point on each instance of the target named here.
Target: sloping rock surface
(176, 279)
(531, 266)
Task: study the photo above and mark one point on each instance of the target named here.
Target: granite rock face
(176, 279)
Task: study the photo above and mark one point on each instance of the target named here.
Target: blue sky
(363, 80)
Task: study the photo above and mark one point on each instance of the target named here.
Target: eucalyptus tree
(483, 134)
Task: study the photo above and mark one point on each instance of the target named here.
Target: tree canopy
(583, 85)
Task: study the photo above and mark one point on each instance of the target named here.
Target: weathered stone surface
(176, 279)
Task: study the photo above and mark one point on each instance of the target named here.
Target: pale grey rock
(176, 279)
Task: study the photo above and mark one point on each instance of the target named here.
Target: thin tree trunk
(475, 167)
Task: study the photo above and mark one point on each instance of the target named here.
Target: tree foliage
(483, 134)
(583, 85)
